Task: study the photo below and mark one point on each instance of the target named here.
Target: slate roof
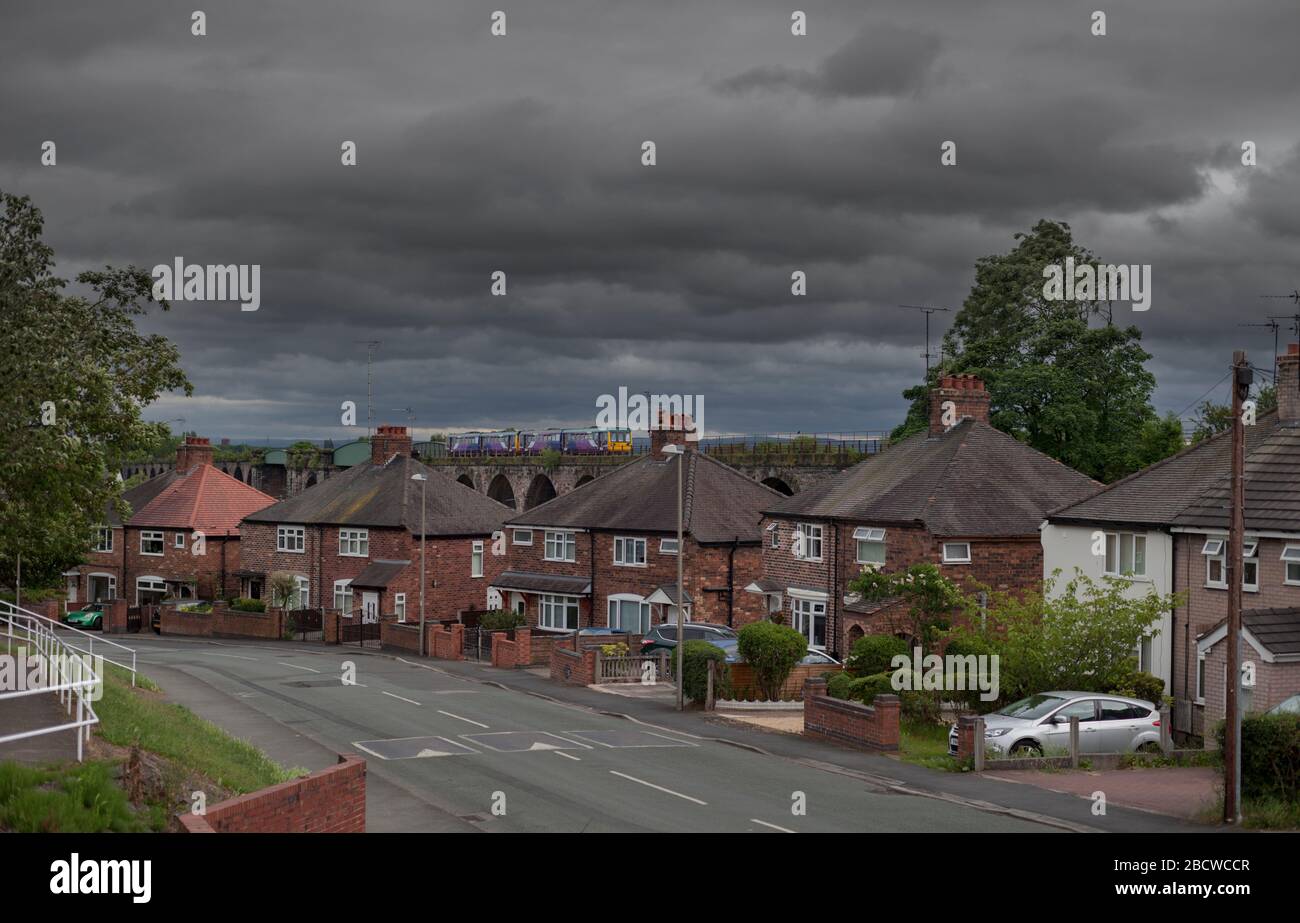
(1190, 488)
(971, 481)
(721, 504)
(1278, 630)
(384, 496)
(204, 498)
(542, 583)
(378, 574)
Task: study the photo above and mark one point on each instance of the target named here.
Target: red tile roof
(203, 498)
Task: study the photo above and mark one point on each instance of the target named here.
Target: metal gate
(356, 630)
(478, 643)
(134, 619)
(303, 622)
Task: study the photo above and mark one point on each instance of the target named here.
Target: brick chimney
(969, 398)
(387, 442)
(671, 430)
(1288, 385)
(193, 451)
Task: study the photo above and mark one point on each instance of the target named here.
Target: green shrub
(244, 604)
(617, 649)
(864, 689)
(695, 670)
(1270, 756)
(837, 686)
(1144, 686)
(873, 654)
(501, 620)
(772, 651)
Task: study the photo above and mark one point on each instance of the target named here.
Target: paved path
(1179, 791)
(450, 744)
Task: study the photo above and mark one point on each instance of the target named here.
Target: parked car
(1288, 706)
(89, 616)
(1041, 723)
(732, 648)
(664, 637)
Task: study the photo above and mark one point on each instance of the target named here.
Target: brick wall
(331, 800)
(448, 642)
(449, 587)
(1206, 607)
(866, 727)
(115, 616)
(706, 570)
(222, 622)
(214, 570)
(171, 621)
(1273, 683)
(573, 669)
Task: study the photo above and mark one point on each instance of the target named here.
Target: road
(449, 752)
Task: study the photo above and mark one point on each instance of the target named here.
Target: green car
(89, 616)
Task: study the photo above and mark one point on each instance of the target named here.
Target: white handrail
(8, 608)
(70, 675)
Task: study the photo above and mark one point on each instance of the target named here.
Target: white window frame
(291, 539)
(951, 559)
(565, 540)
(621, 545)
(517, 536)
(774, 530)
(811, 533)
(1249, 556)
(664, 543)
(343, 596)
(807, 608)
(1290, 556)
(399, 606)
(1117, 568)
(1200, 678)
(152, 536)
(869, 535)
(549, 604)
(476, 559)
(179, 540)
(304, 591)
(155, 585)
(1216, 549)
(354, 538)
(613, 603)
(98, 547)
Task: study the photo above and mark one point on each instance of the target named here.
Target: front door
(369, 606)
(810, 621)
(72, 588)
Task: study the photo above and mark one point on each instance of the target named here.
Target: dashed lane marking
(459, 718)
(660, 788)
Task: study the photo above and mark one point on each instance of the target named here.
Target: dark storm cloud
(522, 153)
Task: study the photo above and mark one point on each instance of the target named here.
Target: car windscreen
(1035, 706)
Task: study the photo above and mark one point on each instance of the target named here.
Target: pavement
(460, 746)
(1178, 791)
(28, 713)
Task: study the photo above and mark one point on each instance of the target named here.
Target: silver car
(1040, 724)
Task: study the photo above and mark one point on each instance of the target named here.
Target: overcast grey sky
(523, 153)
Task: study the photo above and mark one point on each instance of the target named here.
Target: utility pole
(927, 310)
(1242, 377)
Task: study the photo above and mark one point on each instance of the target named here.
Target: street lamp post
(424, 480)
(674, 449)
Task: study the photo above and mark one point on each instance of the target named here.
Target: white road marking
(667, 791)
(459, 718)
(567, 756)
(412, 701)
(296, 667)
(755, 820)
(235, 656)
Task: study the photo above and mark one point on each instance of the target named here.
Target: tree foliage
(1212, 418)
(78, 376)
(930, 597)
(1062, 376)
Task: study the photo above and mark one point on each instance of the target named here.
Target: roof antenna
(927, 310)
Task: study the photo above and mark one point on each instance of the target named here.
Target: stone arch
(585, 479)
(311, 480)
(779, 485)
(539, 491)
(467, 480)
(501, 491)
(238, 474)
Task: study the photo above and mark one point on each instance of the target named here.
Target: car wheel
(1024, 749)
(1149, 747)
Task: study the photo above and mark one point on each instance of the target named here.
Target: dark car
(664, 637)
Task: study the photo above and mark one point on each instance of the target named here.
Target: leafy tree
(1080, 638)
(1061, 375)
(772, 651)
(1212, 418)
(282, 588)
(78, 375)
(931, 598)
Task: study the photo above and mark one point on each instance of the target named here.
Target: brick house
(605, 555)
(99, 575)
(181, 540)
(353, 541)
(963, 495)
(1175, 514)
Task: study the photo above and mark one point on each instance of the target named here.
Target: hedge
(1270, 756)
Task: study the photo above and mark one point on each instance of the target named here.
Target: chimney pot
(969, 397)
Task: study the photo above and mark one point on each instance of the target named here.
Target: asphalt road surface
(447, 752)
